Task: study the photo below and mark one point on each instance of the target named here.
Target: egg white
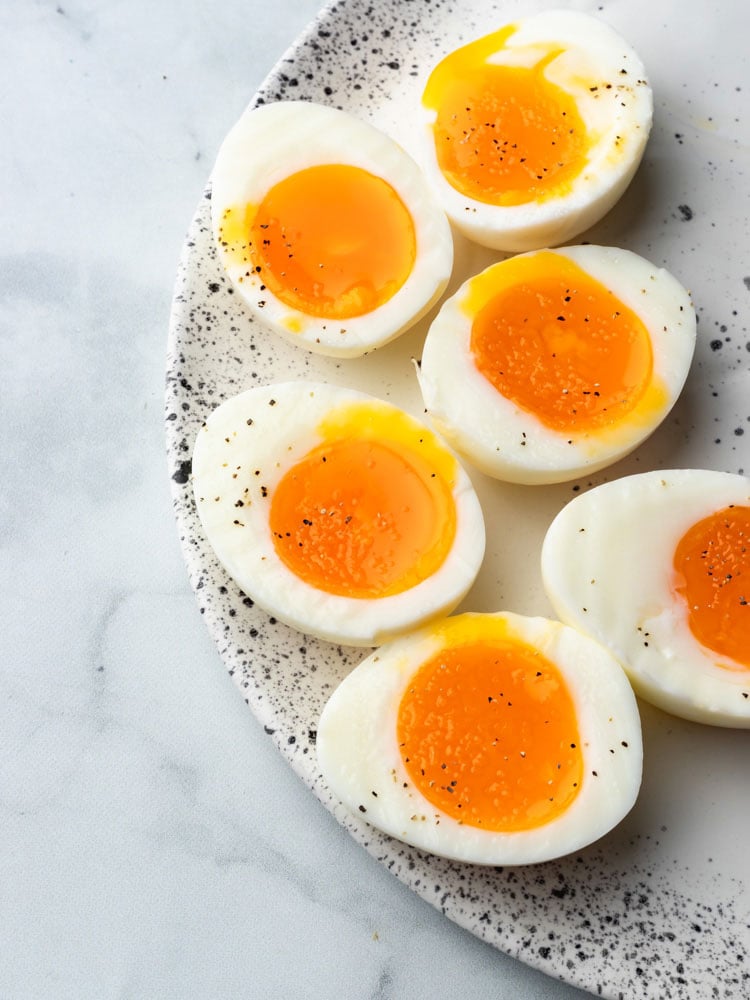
(241, 454)
(607, 569)
(360, 760)
(608, 81)
(273, 141)
(511, 444)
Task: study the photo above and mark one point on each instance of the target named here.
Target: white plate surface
(659, 907)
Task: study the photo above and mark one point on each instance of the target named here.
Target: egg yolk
(332, 241)
(488, 734)
(363, 517)
(504, 134)
(712, 565)
(558, 343)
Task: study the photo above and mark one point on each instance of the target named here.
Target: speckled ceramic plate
(659, 907)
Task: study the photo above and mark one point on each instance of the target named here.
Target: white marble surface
(154, 844)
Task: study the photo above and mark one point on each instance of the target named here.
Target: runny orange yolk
(712, 566)
(558, 343)
(488, 734)
(504, 134)
(332, 241)
(366, 517)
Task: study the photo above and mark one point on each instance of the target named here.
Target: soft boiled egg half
(657, 568)
(535, 131)
(336, 512)
(555, 363)
(494, 739)
(327, 228)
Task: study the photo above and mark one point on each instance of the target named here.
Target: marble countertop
(154, 842)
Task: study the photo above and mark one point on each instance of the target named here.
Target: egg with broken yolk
(555, 363)
(327, 228)
(336, 512)
(656, 567)
(488, 738)
(534, 131)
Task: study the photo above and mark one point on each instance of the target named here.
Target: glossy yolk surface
(488, 734)
(712, 565)
(333, 241)
(363, 517)
(504, 134)
(558, 343)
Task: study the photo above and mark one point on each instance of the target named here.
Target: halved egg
(657, 568)
(555, 363)
(336, 512)
(494, 739)
(535, 131)
(327, 228)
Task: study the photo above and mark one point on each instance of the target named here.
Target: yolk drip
(333, 241)
(558, 343)
(712, 563)
(488, 734)
(504, 134)
(362, 517)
